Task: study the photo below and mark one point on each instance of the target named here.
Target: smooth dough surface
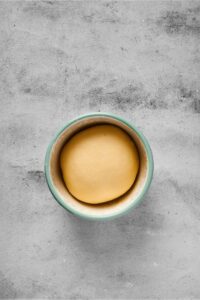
(99, 164)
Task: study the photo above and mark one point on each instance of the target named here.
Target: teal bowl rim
(78, 213)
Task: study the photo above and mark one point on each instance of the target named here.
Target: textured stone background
(140, 60)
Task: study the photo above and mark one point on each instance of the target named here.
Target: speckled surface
(140, 60)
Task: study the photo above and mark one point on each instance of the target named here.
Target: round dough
(99, 164)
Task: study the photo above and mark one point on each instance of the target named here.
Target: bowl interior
(103, 210)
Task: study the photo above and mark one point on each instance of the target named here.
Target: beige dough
(99, 164)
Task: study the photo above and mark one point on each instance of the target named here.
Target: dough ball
(99, 164)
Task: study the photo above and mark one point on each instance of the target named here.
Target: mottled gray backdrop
(140, 60)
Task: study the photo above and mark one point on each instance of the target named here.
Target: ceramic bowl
(112, 208)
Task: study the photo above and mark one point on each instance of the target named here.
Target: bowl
(112, 208)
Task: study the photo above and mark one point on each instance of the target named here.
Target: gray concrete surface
(140, 60)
